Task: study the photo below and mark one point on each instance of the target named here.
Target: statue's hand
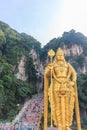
(50, 66)
(70, 83)
(48, 69)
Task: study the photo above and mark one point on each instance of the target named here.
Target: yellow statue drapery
(62, 93)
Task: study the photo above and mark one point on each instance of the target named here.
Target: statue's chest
(60, 70)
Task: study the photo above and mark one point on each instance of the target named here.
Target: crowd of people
(30, 119)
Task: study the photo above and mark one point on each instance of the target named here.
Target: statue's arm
(73, 73)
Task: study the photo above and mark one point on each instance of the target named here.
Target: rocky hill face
(74, 45)
(39, 67)
(74, 50)
(21, 70)
(22, 62)
(16, 49)
(20, 75)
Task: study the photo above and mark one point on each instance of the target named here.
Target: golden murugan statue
(62, 92)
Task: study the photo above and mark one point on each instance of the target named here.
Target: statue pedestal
(53, 128)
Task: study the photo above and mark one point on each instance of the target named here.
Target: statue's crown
(60, 52)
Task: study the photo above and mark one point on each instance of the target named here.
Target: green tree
(2, 95)
(2, 38)
(82, 90)
(31, 71)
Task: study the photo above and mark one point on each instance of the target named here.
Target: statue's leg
(63, 112)
(72, 100)
(67, 110)
(69, 106)
(61, 124)
(57, 109)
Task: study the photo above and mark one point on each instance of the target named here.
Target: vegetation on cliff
(13, 46)
(13, 91)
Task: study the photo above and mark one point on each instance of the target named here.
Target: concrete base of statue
(53, 128)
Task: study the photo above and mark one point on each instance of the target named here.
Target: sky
(45, 19)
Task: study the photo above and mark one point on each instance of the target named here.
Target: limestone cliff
(20, 74)
(39, 67)
(76, 51)
(21, 69)
(73, 50)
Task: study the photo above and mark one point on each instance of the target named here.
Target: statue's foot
(59, 128)
(67, 128)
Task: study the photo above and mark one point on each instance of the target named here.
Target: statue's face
(60, 57)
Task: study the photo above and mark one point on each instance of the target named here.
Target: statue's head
(60, 55)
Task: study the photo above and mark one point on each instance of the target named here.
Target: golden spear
(51, 54)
